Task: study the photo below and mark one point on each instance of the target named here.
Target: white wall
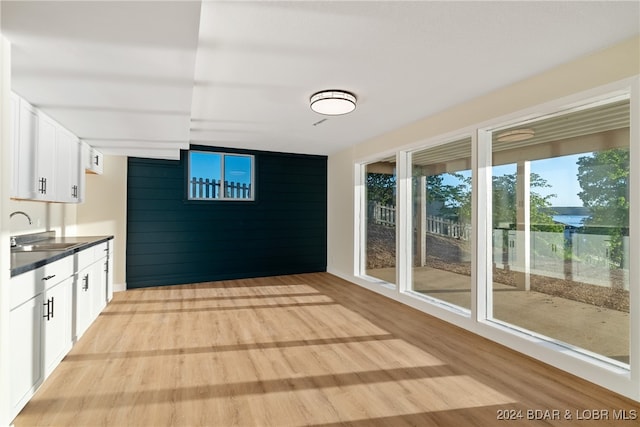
(5, 261)
(599, 69)
(45, 216)
(104, 211)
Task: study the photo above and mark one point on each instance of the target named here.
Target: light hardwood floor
(296, 350)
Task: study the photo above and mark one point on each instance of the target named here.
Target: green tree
(456, 200)
(381, 188)
(504, 203)
(604, 179)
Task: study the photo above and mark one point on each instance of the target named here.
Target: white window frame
(360, 247)
(406, 274)
(578, 361)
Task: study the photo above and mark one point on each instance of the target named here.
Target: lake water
(574, 220)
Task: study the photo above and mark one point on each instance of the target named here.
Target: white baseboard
(119, 287)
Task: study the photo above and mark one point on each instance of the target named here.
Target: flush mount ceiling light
(333, 102)
(516, 135)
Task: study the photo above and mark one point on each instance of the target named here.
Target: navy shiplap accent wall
(171, 240)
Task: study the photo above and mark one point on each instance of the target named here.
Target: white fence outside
(383, 214)
(386, 215)
(590, 261)
(449, 228)
(202, 188)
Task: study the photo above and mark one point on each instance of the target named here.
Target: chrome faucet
(22, 213)
(13, 238)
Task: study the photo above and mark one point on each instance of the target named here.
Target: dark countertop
(22, 262)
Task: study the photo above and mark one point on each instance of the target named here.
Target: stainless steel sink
(42, 247)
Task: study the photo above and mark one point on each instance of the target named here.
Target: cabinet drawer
(85, 258)
(27, 285)
(100, 251)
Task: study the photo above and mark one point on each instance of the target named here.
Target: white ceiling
(149, 78)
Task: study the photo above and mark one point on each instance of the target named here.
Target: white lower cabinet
(101, 271)
(82, 310)
(56, 316)
(109, 270)
(40, 324)
(51, 307)
(99, 300)
(90, 287)
(27, 371)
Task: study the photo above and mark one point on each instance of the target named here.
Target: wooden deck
(297, 350)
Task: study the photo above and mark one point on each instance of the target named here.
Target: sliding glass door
(560, 228)
(380, 222)
(441, 222)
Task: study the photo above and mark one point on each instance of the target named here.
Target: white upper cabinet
(25, 152)
(69, 170)
(15, 138)
(92, 159)
(46, 149)
(64, 192)
(49, 161)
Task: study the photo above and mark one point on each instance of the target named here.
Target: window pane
(220, 176)
(380, 239)
(237, 177)
(561, 228)
(204, 175)
(442, 222)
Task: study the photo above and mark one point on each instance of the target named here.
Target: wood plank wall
(171, 240)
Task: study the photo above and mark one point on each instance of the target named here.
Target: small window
(220, 176)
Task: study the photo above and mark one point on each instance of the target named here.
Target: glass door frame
(576, 360)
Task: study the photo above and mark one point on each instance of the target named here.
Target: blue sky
(560, 172)
(238, 169)
(208, 165)
(204, 165)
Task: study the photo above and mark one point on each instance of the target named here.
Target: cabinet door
(94, 160)
(110, 271)
(62, 161)
(25, 174)
(99, 292)
(76, 172)
(98, 161)
(15, 141)
(25, 324)
(85, 155)
(57, 324)
(83, 300)
(46, 158)
(68, 168)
